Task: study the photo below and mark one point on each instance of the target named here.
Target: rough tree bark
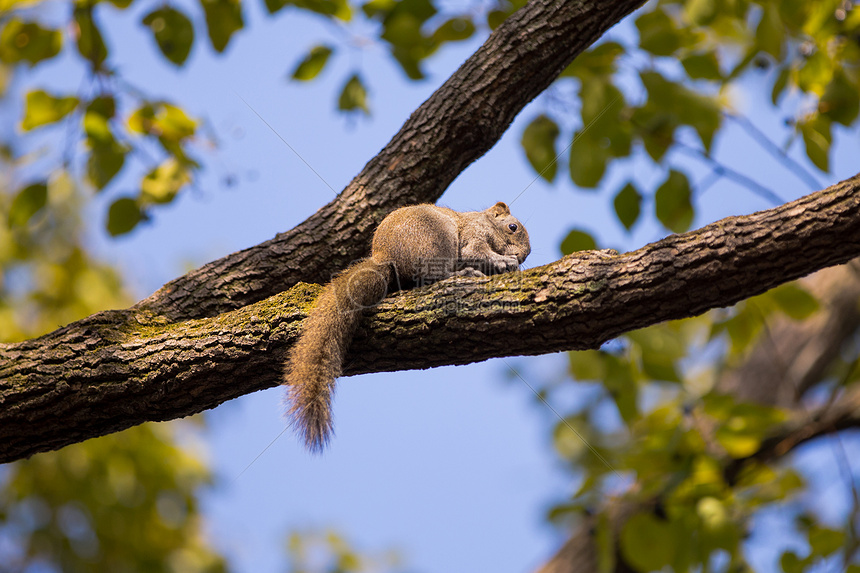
(120, 368)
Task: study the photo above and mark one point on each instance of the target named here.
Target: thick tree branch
(120, 368)
(460, 122)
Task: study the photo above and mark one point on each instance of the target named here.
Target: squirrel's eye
(513, 227)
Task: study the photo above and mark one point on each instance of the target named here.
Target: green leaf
(90, 43)
(339, 9)
(817, 139)
(223, 19)
(779, 84)
(99, 111)
(701, 12)
(824, 541)
(577, 240)
(28, 42)
(841, 101)
(353, 96)
(27, 203)
(770, 33)
(163, 183)
(538, 141)
(627, 204)
(105, 160)
(743, 425)
(598, 61)
(816, 73)
(453, 30)
(702, 66)
(123, 215)
(173, 33)
(42, 108)
(794, 301)
(103, 105)
(656, 128)
(658, 348)
(647, 542)
(312, 64)
(672, 203)
(163, 120)
(621, 384)
(587, 160)
(790, 562)
(657, 33)
(679, 104)
(587, 365)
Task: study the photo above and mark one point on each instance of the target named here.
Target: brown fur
(416, 244)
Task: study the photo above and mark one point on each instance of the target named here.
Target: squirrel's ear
(500, 209)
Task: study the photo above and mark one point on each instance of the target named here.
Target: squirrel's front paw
(505, 264)
(469, 272)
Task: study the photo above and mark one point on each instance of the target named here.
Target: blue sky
(453, 466)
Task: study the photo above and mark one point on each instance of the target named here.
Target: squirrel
(413, 245)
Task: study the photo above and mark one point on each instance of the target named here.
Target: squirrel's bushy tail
(316, 360)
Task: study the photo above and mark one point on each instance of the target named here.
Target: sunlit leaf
(163, 183)
(312, 64)
(701, 12)
(577, 240)
(123, 215)
(647, 542)
(587, 365)
(627, 205)
(815, 74)
(164, 120)
(173, 33)
(96, 120)
(223, 19)
(353, 96)
(28, 42)
(27, 202)
(340, 9)
(672, 203)
(42, 108)
(538, 141)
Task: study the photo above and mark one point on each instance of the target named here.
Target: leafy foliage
(124, 502)
(121, 502)
(321, 551)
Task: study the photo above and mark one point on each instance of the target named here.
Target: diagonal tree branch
(120, 368)
(460, 122)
